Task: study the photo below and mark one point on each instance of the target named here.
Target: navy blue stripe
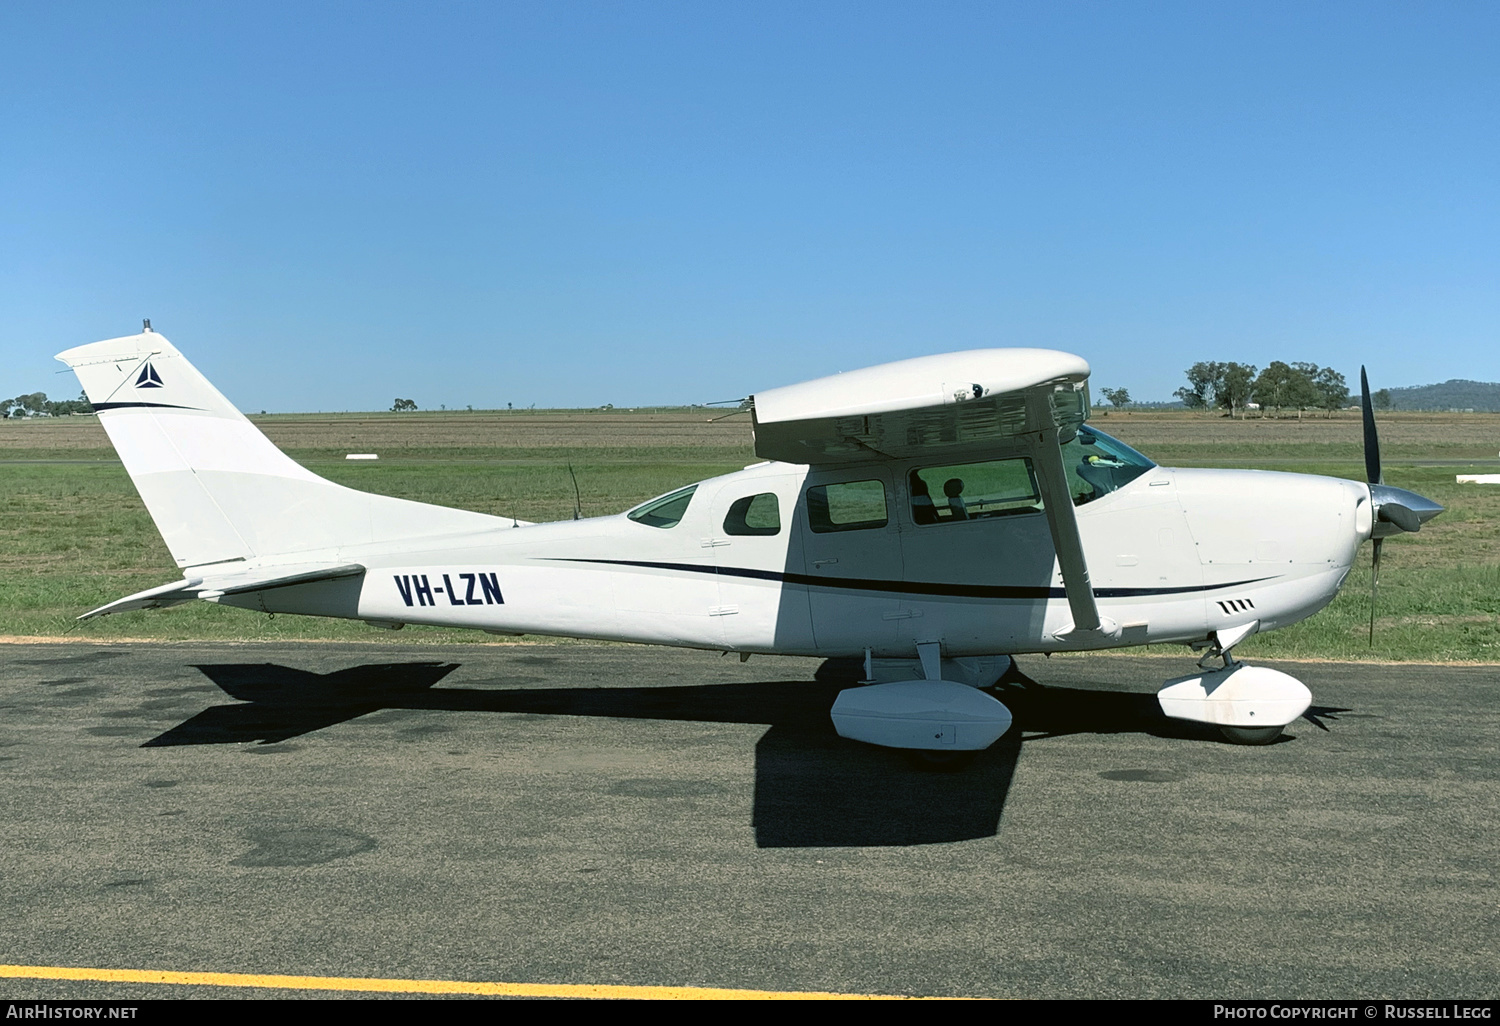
(999, 591)
(101, 407)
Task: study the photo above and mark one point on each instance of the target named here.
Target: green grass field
(74, 534)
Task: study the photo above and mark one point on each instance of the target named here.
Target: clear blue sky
(328, 205)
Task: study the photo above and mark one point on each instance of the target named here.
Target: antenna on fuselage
(577, 499)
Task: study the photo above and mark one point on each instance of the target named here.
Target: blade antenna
(577, 498)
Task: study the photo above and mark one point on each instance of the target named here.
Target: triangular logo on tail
(148, 378)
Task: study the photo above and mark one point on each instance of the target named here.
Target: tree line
(1281, 386)
(37, 404)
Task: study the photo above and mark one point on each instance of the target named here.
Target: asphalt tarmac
(624, 816)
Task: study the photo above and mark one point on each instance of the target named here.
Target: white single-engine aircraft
(932, 516)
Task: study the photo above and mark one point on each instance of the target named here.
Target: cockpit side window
(666, 511)
(973, 491)
(1097, 464)
(754, 515)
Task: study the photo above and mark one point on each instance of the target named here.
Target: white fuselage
(1173, 556)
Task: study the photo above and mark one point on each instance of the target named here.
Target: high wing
(922, 407)
(953, 405)
(218, 585)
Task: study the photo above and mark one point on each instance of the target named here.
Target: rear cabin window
(974, 491)
(666, 511)
(754, 515)
(847, 506)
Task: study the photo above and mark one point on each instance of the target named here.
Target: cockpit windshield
(1098, 464)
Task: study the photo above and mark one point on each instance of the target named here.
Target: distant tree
(1382, 399)
(1282, 386)
(1191, 399)
(29, 405)
(1202, 387)
(1271, 386)
(1215, 385)
(1236, 382)
(401, 405)
(1306, 395)
(1333, 390)
(5, 405)
(69, 407)
(1117, 397)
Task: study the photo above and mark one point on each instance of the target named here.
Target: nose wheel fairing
(1244, 698)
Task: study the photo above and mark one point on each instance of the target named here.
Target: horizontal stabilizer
(218, 585)
(161, 596)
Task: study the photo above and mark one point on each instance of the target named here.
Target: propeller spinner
(1395, 509)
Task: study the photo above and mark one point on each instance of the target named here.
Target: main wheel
(1252, 735)
(934, 761)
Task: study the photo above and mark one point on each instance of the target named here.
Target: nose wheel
(1251, 735)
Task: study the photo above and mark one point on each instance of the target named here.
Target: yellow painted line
(532, 990)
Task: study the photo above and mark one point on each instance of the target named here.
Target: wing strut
(1062, 522)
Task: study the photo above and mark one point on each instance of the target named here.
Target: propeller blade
(1395, 513)
(1372, 438)
(1405, 510)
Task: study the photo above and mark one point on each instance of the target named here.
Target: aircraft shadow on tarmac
(812, 787)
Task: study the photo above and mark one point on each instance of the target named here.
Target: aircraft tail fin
(217, 488)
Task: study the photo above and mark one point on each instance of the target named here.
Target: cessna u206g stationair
(932, 516)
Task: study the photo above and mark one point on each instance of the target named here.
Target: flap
(947, 403)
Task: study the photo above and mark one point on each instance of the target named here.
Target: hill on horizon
(1455, 394)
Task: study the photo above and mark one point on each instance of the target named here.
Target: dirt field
(488, 435)
(1165, 436)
